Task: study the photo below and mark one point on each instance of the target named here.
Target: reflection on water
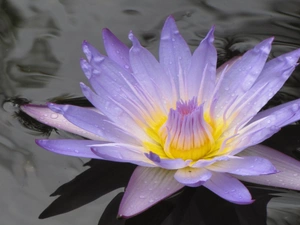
(40, 47)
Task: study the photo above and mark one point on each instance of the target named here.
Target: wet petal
(201, 76)
(285, 113)
(243, 73)
(206, 162)
(227, 65)
(78, 148)
(170, 164)
(45, 115)
(93, 122)
(150, 74)
(229, 188)
(147, 186)
(115, 49)
(122, 153)
(115, 112)
(288, 167)
(128, 95)
(174, 53)
(271, 79)
(245, 166)
(252, 134)
(192, 177)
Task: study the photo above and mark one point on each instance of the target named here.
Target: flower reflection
(181, 120)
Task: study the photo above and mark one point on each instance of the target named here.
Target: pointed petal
(206, 162)
(227, 65)
(146, 187)
(106, 75)
(192, 177)
(45, 115)
(114, 112)
(252, 134)
(77, 148)
(174, 53)
(149, 73)
(288, 167)
(170, 164)
(93, 122)
(271, 79)
(122, 153)
(245, 71)
(229, 188)
(201, 77)
(245, 166)
(115, 49)
(243, 74)
(285, 113)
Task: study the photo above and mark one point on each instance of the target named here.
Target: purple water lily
(181, 120)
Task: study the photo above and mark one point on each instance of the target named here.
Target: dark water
(40, 48)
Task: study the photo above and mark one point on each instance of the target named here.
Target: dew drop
(98, 59)
(76, 151)
(295, 174)
(54, 116)
(142, 196)
(295, 107)
(126, 66)
(151, 200)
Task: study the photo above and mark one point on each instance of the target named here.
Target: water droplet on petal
(54, 116)
(295, 107)
(142, 196)
(151, 200)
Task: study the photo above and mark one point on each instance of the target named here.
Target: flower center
(186, 134)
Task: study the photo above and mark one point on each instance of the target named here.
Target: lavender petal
(288, 167)
(45, 115)
(245, 166)
(93, 122)
(77, 148)
(147, 186)
(192, 177)
(115, 49)
(122, 153)
(201, 76)
(174, 53)
(229, 188)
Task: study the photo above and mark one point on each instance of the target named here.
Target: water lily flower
(180, 119)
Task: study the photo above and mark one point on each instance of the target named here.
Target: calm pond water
(40, 48)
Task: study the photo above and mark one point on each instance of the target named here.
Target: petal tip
(134, 40)
(55, 107)
(106, 34)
